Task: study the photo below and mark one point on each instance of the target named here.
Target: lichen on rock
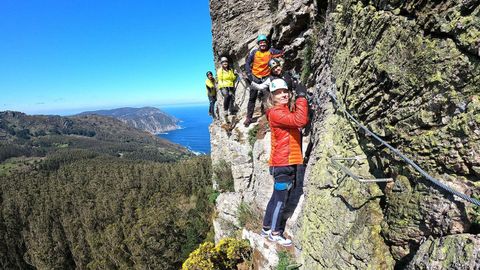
(342, 217)
(410, 72)
(461, 251)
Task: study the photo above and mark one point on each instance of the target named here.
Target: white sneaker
(280, 240)
(265, 233)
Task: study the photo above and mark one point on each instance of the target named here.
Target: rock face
(449, 252)
(407, 70)
(150, 119)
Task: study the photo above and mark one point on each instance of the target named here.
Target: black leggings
(253, 95)
(228, 99)
(284, 176)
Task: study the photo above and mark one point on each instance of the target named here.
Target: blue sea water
(193, 133)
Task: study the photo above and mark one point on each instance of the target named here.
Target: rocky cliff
(409, 71)
(150, 119)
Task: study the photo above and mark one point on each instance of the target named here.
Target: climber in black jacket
(276, 72)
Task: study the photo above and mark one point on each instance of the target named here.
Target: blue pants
(284, 177)
(211, 108)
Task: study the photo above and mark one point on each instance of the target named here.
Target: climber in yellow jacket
(226, 78)
(211, 93)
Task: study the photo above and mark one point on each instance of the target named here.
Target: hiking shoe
(265, 233)
(280, 240)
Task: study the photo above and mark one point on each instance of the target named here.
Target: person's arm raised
(287, 119)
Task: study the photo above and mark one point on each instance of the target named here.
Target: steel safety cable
(405, 158)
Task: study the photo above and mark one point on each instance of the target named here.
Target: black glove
(250, 77)
(301, 90)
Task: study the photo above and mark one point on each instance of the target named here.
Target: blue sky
(65, 56)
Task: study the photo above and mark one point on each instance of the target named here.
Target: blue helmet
(261, 37)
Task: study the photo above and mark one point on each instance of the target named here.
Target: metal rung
(293, 266)
(354, 176)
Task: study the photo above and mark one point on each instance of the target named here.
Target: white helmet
(223, 59)
(278, 84)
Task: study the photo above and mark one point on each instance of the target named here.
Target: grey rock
(226, 221)
(409, 72)
(461, 251)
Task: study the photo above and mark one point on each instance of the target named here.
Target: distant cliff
(150, 119)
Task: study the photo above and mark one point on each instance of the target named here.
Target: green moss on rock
(342, 217)
(451, 252)
(415, 83)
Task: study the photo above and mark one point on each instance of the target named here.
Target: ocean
(193, 132)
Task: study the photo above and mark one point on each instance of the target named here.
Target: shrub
(227, 254)
(40, 133)
(474, 214)
(252, 135)
(12, 150)
(23, 134)
(222, 175)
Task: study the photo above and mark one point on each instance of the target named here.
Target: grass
(249, 218)
(60, 145)
(222, 175)
(6, 168)
(212, 197)
(252, 135)
(286, 261)
(11, 165)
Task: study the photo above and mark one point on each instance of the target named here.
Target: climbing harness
(398, 153)
(335, 160)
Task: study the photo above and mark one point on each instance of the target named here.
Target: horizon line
(73, 111)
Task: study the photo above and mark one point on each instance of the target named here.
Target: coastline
(164, 130)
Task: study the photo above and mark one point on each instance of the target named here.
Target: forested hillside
(38, 136)
(92, 193)
(104, 213)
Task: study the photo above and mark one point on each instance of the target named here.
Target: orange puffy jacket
(286, 145)
(257, 62)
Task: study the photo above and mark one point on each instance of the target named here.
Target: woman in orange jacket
(286, 152)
